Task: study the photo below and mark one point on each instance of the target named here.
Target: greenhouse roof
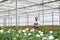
(22, 6)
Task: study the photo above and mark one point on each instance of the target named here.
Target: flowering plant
(33, 34)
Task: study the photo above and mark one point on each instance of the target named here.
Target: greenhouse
(29, 19)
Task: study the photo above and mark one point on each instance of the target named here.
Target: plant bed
(28, 33)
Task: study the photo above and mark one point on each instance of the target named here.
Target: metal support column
(43, 13)
(16, 14)
(59, 16)
(27, 18)
(4, 24)
(11, 21)
(39, 16)
(8, 16)
(52, 17)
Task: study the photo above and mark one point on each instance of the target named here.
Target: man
(36, 23)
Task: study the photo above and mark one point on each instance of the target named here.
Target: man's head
(36, 18)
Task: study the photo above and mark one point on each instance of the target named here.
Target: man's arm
(36, 25)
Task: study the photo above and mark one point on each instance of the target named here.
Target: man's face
(36, 18)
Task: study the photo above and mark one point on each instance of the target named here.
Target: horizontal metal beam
(29, 12)
(3, 1)
(32, 11)
(30, 1)
(6, 5)
(38, 4)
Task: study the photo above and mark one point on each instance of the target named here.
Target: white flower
(23, 30)
(44, 38)
(8, 31)
(56, 39)
(29, 34)
(14, 38)
(41, 34)
(37, 35)
(17, 35)
(25, 34)
(19, 31)
(32, 30)
(39, 31)
(51, 31)
(50, 37)
(27, 29)
(1, 30)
